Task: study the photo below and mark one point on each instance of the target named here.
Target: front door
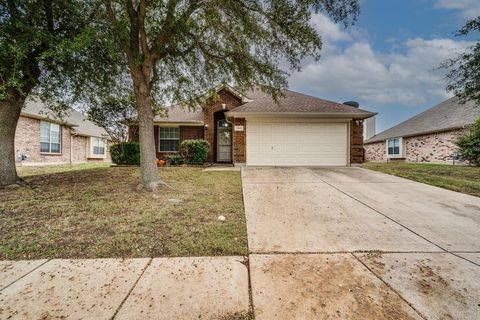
(224, 141)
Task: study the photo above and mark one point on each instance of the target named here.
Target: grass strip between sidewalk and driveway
(465, 179)
(97, 213)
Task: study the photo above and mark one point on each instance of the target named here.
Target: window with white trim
(169, 139)
(98, 146)
(50, 137)
(394, 147)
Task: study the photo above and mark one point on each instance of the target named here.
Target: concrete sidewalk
(163, 288)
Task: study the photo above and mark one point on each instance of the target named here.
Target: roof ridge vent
(354, 104)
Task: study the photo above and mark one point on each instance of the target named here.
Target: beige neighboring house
(427, 137)
(42, 139)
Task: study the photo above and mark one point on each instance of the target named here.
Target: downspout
(71, 147)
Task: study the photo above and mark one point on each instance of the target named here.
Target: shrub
(195, 151)
(175, 159)
(125, 153)
(469, 144)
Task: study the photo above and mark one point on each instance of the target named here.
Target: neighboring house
(427, 137)
(300, 130)
(40, 138)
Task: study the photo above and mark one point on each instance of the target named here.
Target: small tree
(469, 144)
(114, 114)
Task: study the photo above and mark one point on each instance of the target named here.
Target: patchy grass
(97, 213)
(457, 178)
(25, 171)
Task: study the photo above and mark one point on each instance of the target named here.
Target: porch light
(206, 126)
(224, 106)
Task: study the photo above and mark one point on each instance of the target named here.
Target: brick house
(252, 129)
(41, 139)
(427, 137)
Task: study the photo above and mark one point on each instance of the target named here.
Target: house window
(50, 137)
(169, 138)
(394, 148)
(98, 146)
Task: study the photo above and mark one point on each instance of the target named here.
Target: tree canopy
(53, 51)
(176, 49)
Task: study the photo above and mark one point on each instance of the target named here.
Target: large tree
(51, 50)
(463, 77)
(175, 49)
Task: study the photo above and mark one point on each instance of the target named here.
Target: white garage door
(296, 143)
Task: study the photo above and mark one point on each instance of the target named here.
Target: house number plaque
(238, 128)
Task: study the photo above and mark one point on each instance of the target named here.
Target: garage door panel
(291, 143)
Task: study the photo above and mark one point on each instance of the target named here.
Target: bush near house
(469, 144)
(175, 159)
(125, 153)
(195, 151)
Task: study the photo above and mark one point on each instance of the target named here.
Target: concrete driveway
(351, 243)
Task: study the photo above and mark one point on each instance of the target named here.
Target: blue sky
(387, 61)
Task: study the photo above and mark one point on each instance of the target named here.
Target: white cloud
(358, 72)
(468, 8)
(329, 30)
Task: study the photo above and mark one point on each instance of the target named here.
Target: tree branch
(121, 39)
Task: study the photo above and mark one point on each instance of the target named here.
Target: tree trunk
(149, 177)
(9, 115)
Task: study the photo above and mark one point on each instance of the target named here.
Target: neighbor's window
(50, 138)
(169, 138)
(98, 146)
(393, 147)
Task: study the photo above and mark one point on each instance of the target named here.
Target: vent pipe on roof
(354, 104)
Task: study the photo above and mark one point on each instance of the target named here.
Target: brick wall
(186, 133)
(79, 149)
(209, 110)
(435, 147)
(375, 152)
(356, 141)
(27, 140)
(240, 141)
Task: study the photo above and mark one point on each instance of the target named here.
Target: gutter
(363, 115)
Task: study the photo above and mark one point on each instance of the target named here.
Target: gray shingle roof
(448, 115)
(295, 102)
(257, 101)
(178, 113)
(74, 119)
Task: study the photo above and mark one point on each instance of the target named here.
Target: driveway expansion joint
(389, 286)
(131, 289)
(26, 274)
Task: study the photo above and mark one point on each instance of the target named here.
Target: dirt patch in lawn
(98, 213)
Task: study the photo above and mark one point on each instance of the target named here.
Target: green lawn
(97, 212)
(457, 178)
(25, 171)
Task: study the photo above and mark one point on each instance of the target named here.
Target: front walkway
(342, 243)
